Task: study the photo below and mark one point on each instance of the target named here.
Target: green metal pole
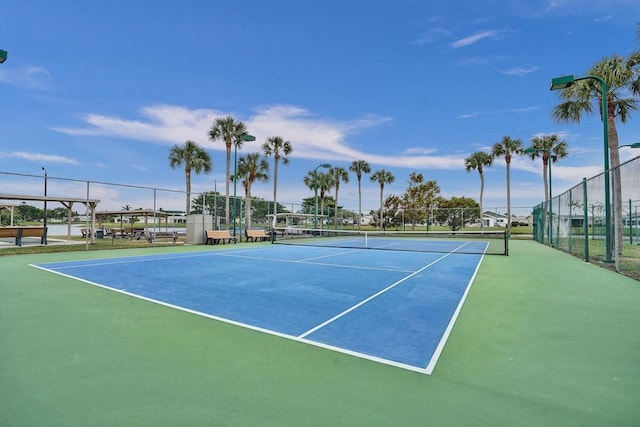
(570, 220)
(607, 187)
(586, 220)
(630, 224)
(550, 205)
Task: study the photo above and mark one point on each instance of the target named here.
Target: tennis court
(393, 307)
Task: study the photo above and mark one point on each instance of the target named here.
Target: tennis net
(466, 242)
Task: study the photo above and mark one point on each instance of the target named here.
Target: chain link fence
(578, 221)
(155, 209)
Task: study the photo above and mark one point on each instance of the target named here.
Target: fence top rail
(26, 197)
(137, 212)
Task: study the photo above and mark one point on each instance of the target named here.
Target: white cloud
(37, 78)
(420, 150)
(519, 71)
(312, 137)
(39, 157)
(474, 38)
(513, 110)
(569, 174)
(165, 124)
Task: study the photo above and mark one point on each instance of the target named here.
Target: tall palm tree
(279, 149)
(622, 76)
(338, 175)
(382, 177)
(478, 161)
(194, 159)
(229, 131)
(320, 181)
(506, 148)
(549, 148)
(251, 168)
(359, 167)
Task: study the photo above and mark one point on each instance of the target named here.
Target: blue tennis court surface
(392, 307)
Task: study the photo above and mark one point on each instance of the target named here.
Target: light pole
(315, 192)
(636, 145)
(44, 238)
(563, 83)
(3, 56)
(245, 137)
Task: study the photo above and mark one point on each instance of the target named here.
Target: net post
(506, 244)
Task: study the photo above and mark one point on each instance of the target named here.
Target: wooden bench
(255, 235)
(85, 232)
(19, 232)
(217, 236)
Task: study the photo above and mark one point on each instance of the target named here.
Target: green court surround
(543, 339)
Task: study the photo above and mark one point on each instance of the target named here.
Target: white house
(494, 219)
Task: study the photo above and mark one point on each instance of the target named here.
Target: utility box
(196, 226)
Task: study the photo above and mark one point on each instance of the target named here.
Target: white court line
(445, 336)
(331, 255)
(357, 267)
(377, 294)
(134, 259)
(427, 370)
(243, 325)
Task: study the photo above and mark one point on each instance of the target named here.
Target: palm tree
(549, 148)
(338, 174)
(251, 169)
(194, 159)
(478, 161)
(382, 177)
(279, 149)
(320, 181)
(506, 148)
(622, 77)
(229, 131)
(359, 167)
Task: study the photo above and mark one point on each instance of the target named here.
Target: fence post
(586, 220)
(630, 225)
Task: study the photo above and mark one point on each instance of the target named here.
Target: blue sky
(102, 90)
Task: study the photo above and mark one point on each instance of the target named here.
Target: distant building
(494, 219)
(366, 220)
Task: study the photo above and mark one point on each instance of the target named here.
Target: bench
(19, 232)
(152, 236)
(85, 232)
(255, 235)
(217, 236)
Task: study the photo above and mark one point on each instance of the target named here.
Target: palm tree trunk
(381, 213)
(226, 202)
(508, 199)
(247, 207)
(481, 195)
(546, 201)
(359, 201)
(322, 192)
(275, 190)
(616, 182)
(335, 210)
(187, 175)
